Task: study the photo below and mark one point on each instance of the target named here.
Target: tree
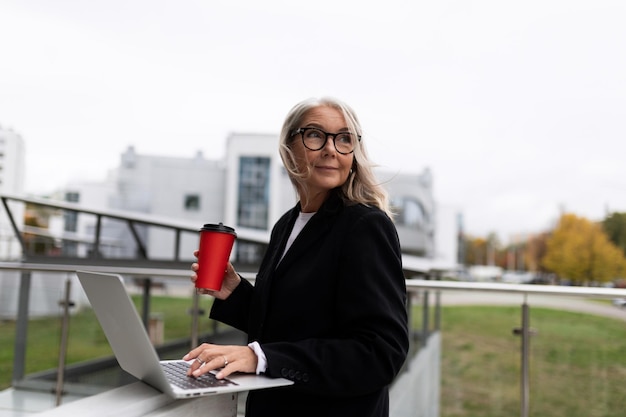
(38, 219)
(495, 256)
(484, 251)
(475, 251)
(535, 251)
(580, 250)
(615, 228)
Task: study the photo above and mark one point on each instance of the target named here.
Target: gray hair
(361, 185)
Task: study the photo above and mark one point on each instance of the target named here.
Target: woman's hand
(231, 281)
(230, 358)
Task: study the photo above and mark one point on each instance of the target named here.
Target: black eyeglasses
(315, 139)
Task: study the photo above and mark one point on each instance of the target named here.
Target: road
(183, 288)
(575, 304)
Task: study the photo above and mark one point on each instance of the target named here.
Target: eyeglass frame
(302, 130)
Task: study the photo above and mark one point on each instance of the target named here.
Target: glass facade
(409, 211)
(253, 192)
(71, 224)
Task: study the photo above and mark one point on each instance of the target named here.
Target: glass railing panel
(479, 361)
(577, 361)
(170, 327)
(576, 357)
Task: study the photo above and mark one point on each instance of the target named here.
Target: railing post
(16, 230)
(177, 245)
(141, 248)
(65, 324)
(195, 312)
(525, 332)
(145, 306)
(425, 318)
(21, 328)
(437, 319)
(525, 392)
(96, 244)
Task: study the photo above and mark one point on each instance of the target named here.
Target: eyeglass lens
(315, 139)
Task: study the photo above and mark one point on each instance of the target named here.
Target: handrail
(600, 292)
(139, 218)
(113, 269)
(411, 284)
(412, 264)
(143, 218)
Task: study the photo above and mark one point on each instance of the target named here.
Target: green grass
(578, 361)
(86, 339)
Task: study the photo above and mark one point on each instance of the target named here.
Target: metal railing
(425, 289)
(149, 269)
(524, 290)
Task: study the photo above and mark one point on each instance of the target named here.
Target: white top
(301, 221)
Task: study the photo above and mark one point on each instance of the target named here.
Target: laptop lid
(131, 345)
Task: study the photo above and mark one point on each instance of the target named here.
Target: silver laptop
(136, 355)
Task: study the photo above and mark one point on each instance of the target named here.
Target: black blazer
(331, 315)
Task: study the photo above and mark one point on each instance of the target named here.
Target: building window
(71, 217)
(409, 212)
(192, 202)
(70, 248)
(253, 192)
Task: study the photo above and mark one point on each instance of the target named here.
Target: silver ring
(200, 361)
(225, 361)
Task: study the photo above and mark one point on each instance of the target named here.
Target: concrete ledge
(416, 392)
(141, 400)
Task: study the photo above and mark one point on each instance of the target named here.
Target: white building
(12, 157)
(249, 190)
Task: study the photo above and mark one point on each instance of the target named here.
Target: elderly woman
(328, 306)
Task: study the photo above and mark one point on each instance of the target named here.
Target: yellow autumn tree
(475, 251)
(579, 250)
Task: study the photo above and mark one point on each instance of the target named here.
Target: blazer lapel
(282, 235)
(309, 237)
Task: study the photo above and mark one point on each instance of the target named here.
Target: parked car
(619, 302)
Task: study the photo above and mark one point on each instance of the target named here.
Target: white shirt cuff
(261, 359)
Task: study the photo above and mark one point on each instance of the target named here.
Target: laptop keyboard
(176, 373)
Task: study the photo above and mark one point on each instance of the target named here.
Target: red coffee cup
(216, 242)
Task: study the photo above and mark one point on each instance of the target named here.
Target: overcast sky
(518, 108)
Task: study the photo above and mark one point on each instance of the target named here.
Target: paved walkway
(575, 304)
